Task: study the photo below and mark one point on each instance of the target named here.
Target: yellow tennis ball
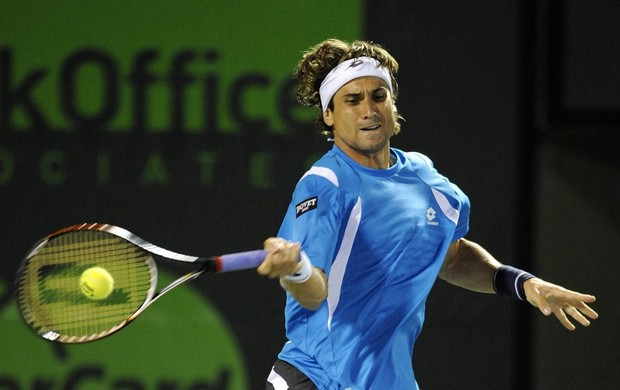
(96, 283)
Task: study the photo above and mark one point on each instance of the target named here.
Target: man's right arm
(283, 261)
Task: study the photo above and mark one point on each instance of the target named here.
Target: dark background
(518, 102)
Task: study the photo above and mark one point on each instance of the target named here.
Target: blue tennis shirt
(381, 237)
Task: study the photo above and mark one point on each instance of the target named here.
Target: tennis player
(377, 225)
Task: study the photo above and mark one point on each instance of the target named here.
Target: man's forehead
(361, 83)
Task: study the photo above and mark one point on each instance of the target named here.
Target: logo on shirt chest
(431, 214)
(305, 206)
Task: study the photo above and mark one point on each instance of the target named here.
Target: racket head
(48, 290)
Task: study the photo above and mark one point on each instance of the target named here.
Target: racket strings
(49, 291)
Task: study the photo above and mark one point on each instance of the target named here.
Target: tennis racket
(48, 288)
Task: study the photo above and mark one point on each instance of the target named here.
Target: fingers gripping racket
(55, 303)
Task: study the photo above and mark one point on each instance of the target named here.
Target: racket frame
(214, 264)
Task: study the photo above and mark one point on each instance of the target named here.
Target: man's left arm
(470, 266)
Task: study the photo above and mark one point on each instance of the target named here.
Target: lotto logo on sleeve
(306, 205)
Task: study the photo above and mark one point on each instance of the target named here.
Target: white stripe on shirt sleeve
(446, 207)
(323, 172)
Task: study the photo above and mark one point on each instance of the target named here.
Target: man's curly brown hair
(320, 59)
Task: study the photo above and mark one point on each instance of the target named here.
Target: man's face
(363, 119)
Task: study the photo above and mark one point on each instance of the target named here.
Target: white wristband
(304, 273)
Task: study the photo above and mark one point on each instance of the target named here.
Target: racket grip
(240, 260)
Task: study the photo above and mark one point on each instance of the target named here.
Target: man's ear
(327, 117)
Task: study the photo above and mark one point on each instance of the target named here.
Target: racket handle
(240, 260)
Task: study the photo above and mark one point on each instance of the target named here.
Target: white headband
(347, 71)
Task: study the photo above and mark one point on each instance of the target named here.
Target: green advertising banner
(178, 121)
(173, 346)
(154, 70)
